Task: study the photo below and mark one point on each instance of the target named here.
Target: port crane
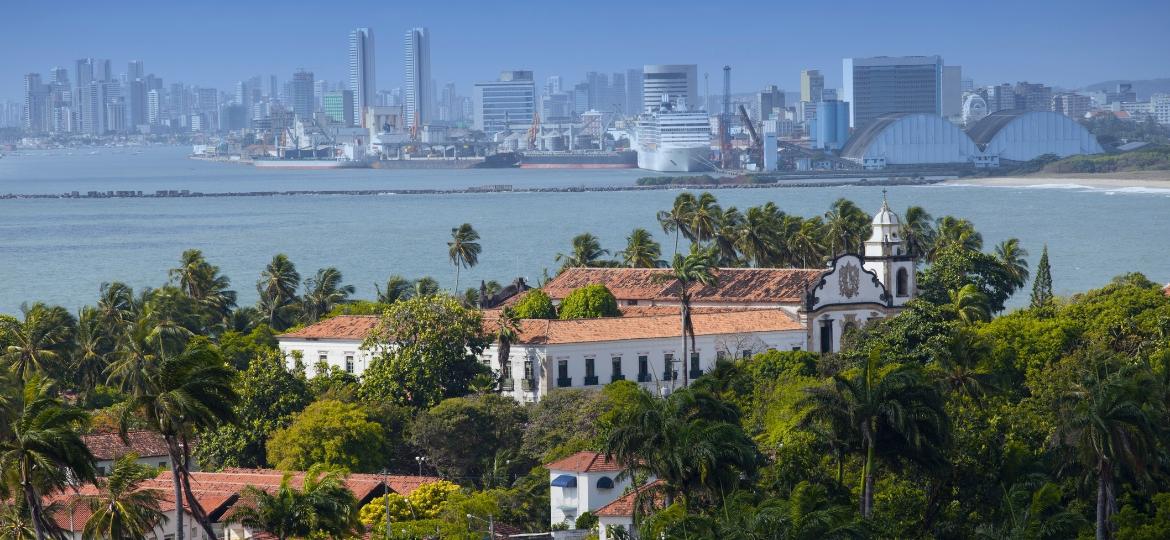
(757, 145)
(533, 131)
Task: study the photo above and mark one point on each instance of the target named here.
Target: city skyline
(761, 49)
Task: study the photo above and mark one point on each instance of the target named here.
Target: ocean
(61, 250)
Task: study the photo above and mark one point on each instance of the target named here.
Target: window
(617, 365)
(349, 363)
(505, 370)
(643, 368)
(589, 368)
(745, 354)
(902, 285)
(827, 336)
(528, 373)
(322, 356)
(668, 366)
(101, 471)
(563, 373)
(695, 370)
(162, 464)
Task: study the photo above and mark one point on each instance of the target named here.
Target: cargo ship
(309, 164)
(579, 159)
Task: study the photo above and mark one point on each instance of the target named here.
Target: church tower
(888, 256)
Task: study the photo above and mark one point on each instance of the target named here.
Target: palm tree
(397, 288)
(15, 523)
(760, 239)
(278, 291)
(954, 232)
(677, 219)
(804, 243)
(641, 250)
(698, 267)
(1110, 426)
(323, 292)
(116, 308)
(892, 405)
(122, 510)
(40, 342)
(177, 395)
(957, 370)
(704, 219)
(202, 282)
(969, 305)
(586, 252)
(93, 350)
(40, 447)
(808, 513)
(463, 249)
(1033, 513)
(845, 226)
(1014, 259)
(170, 318)
(509, 329)
(918, 231)
(321, 505)
(727, 233)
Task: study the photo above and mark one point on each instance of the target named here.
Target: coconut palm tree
(894, 406)
(1109, 425)
(697, 267)
(40, 342)
(677, 220)
(323, 292)
(641, 250)
(203, 282)
(278, 291)
(704, 219)
(122, 509)
(93, 350)
(586, 252)
(1033, 513)
(954, 232)
(323, 505)
(175, 396)
(760, 239)
(845, 227)
(727, 232)
(804, 242)
(1015, 260)
(957, 370)
(116, 309)
(463, 249)
(41, 449)
(397, 288)
(808, 513)
(15, 523)
(509, 329)
(969, 305)
(426, 286)
(918, 231)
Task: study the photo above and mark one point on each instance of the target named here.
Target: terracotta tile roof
(624, 506)
(540, 331)
(345, 327)
(585, 461)
(109, 446)
(734, 285)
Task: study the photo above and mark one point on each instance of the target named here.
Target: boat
(309, 164)
(579, 159)
(674, 139)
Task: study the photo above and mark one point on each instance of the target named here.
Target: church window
(902, 287)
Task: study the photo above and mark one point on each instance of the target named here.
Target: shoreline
(1119, 180)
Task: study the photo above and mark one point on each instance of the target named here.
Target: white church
(747, 311)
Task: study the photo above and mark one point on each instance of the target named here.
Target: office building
(362, 82)
(812, 83)
(338, 106)
(134, 70)
(768, 101)
(1071, 105)
(1160, 108)
(617, 93)
(673, 82)
(633, 91)
(153, 107)
(36, 104)
(504, 103)
(418, 76)
(886, 84)
(952, 91)
(1123, 94)
(1033, 97)
(999, 97)
(553, 85)
(302, 94)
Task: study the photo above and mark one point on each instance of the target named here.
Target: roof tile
(348, 327)
(585, 461)
(733, 285)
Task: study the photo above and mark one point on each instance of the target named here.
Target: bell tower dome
(888, 256)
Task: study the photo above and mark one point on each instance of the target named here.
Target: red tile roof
(585, 461)
(541, 331)
(624, 506)
(345, 327)
(110, 446)
(734, 285)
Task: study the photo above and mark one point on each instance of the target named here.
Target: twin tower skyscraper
(418, 88)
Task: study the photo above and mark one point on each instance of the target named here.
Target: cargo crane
(534, 131)
(725, 121)
(757, 147)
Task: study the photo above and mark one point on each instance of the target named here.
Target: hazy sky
(1066, 43)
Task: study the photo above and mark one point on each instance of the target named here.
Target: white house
(107, 448)
(619, 514)
(336, 342)
(582, 482)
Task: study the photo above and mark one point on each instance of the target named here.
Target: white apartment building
(582, 482)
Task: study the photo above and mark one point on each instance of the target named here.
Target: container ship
(595, 159)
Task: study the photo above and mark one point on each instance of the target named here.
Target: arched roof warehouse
(910, 139)
(1020, 135)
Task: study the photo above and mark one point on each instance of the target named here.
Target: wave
(1108, 190)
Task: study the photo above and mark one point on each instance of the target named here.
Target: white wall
(567, 504)
(334, 351)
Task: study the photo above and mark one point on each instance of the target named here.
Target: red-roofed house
(582, 482)
(619, 514)
(336, 342)
(108, 447)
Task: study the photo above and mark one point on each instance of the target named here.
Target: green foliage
(586, 521)
(535, 304)
(563, 422)
(428, 350)
(239, 349)
(463, 437)
(955, 267)
(332, 434)
(1042, 285)
(589, 302)
(1136, 523)
(321, 506)
(1150, 158)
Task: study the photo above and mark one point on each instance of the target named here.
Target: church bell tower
(888, 256)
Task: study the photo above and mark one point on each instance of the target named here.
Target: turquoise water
(61, 250)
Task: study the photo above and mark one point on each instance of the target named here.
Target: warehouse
(909, 139)
(1019, 135)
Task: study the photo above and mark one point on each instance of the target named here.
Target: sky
(214, 43)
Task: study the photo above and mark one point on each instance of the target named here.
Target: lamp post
(491, 523)
(420, 460)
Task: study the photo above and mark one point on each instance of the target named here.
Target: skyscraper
(361, 70)
(134, 70)
(891, 84)
(302, 94)
(771, 98)
(617, 93)
(338, 106)
(36, 104)
(418, 76)
(507, 102)
(812, 84)
(952, 93)
(633, 91)
(674, 81)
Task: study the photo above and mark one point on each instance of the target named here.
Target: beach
(1119, 180)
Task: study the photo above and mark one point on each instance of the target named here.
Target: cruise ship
(674, 139)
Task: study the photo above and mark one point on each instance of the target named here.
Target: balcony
(643, 377)
(508, 384)
(591, 380)
(563, 382)
(617, 377)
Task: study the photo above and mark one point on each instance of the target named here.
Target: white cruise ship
(674, 139)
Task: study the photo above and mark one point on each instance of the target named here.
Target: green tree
(918, 231)
(696, 268)
(463, 249)
(41, 451)
(397, 288)
(676, 221)
(462, 436)
(507, 331)
(954, 233)
(1015, 260)
(703, 220)
(535, 304)
(846, 226)
(322, 506)
(1042, 285)
(93, 351)
(122, 509)
(641, 250)
(954, 266)
(331, 434)
(203, 282)
(727, 232)
(40, 343)
(589, 302)
(586, 252)
(323, 292)
(278, 292)
(969, 305)
(760, 235)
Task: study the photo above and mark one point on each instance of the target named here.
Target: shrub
(535, 304)
(589, 302)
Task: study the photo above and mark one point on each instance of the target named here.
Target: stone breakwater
(183, 193)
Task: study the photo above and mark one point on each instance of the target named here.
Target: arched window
(902, 287)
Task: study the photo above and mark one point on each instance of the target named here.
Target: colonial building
(334, 342)
(582, 482)
(107, 448)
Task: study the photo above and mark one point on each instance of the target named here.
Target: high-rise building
(362, 82)
(891, 84)
(673, 81)
(154, 107)
(83, 76)
(338, 106)
(134, 70)
(36, 104)
(418, 76)
(504, 103)
(634, 91)
(1033, 96)
(1072, 105)
(952, 92)
(1160, 108)
(552, 85)
(617, 93)
(771, 98)
(999, 98)
(137, 102)
(812, 84)
(302, 94)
